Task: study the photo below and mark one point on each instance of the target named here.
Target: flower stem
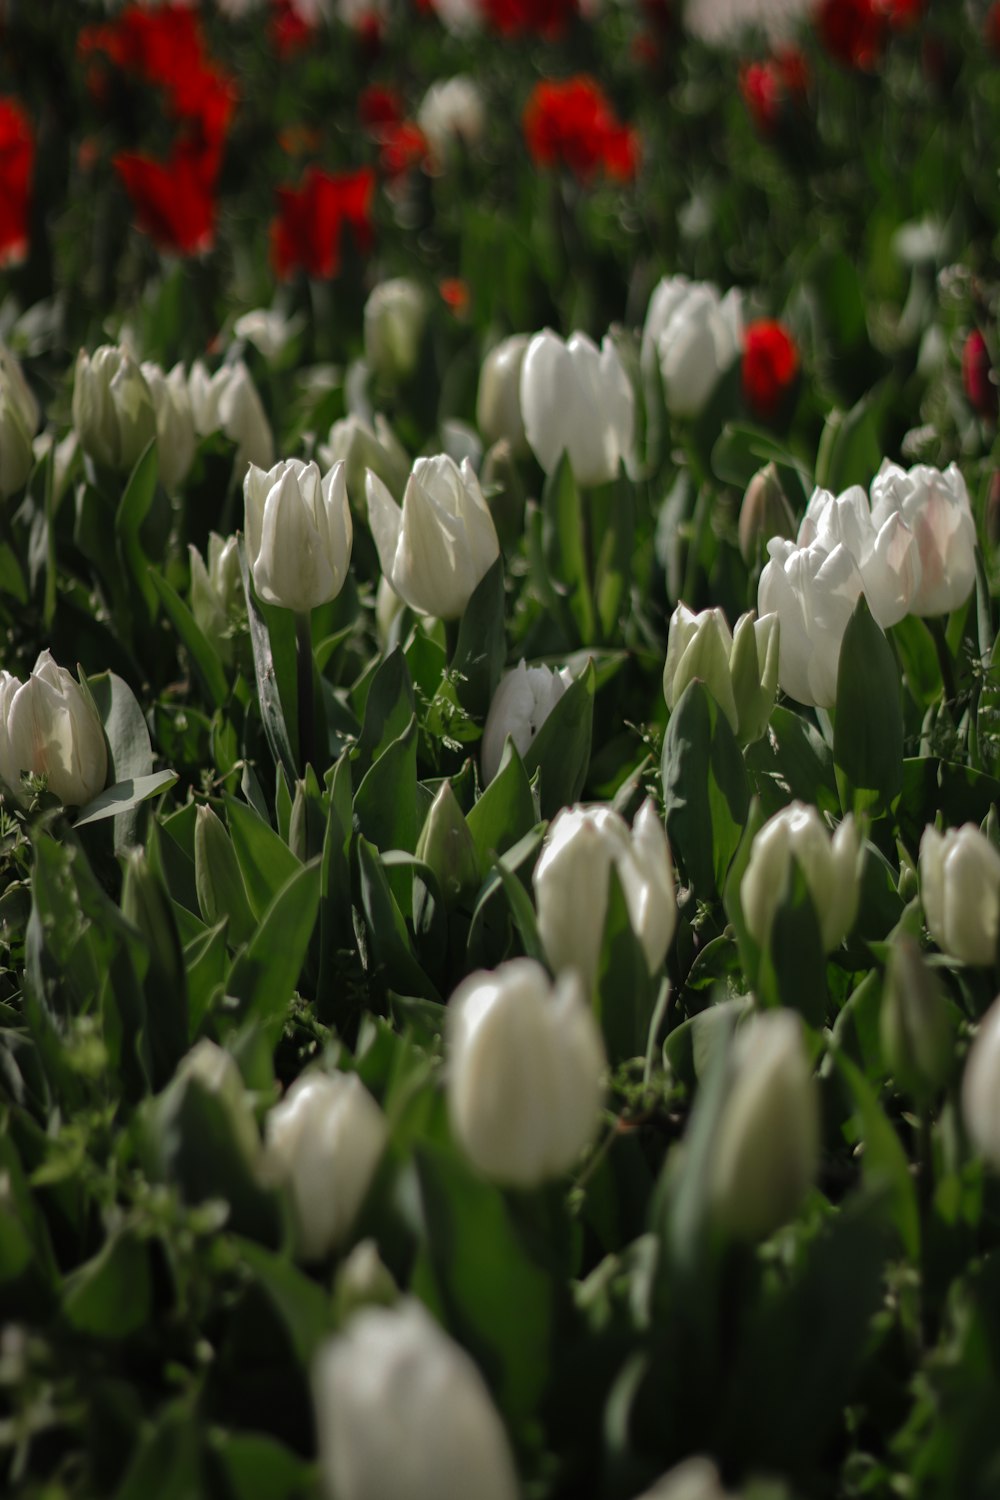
(946, 665)
(304, 682)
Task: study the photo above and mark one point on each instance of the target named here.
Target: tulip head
(395, 317)
(697, 337)
(981, 1088)
(576, 399)
(832, 868)
(112, 407)
(49, 727)
(522, 702)
(498, 404)
(176, 439)
(299, 533)
(960, 891)
(935, 507)
(525, 1072)
(438, 546)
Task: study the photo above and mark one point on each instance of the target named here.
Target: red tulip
(17, 159)
(852, 31)
(571, 123)
(311, 220)
(174, 201)
(770, 366)
(976, 370)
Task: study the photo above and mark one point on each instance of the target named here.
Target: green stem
(925, 1198)
(304, 682)
(946, 665)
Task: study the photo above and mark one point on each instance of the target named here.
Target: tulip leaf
(705, 789)
(482, 645)
(303, 1307)
(266, 671)
(389, 708)
(560, 751)
(267, 971)
(566, 545)
(624, 991)
(495, 1300)
(506, 810)
(265, 860)
(792, 969)
(884, 1162)
(167, 1460)
(488, 933)
(255, 1466)
(110, 1297)
(124, 796)
(389, 950)
(793, 762)
(132, 510)
(850, 451)
(130, 753)
(203, 656)
(868, 721)
(612, 521)
(206, 961)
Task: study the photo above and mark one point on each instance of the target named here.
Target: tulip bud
(694, 1479)
(754, 668)
(218, 881)
(766, 1149)
(764, 513)
(447, 846)
(832, 869)
(525, 1072)
(146, 904)
(503, 488)
(299, 533)
(813, 590)
(696, 336)
(741, 671)
(960, 890)
(228, 402)
(440, 544)
(49, 727)
(213, 1069)
(498, 405)
(977, 376)
(917, 1043)
(323, 1143)
(452, 113)
(268, 330)
(445, 1440)
(571, 885)
(217, 590)
(395, 317)
(112, 407)
(18, 422)
(362, 448)
(521, 704)
(770, 368)
(576, 399)
(981, 1088)
(176, 439)
(362, 1280)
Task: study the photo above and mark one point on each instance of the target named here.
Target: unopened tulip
(364, 447)
(498, 404)
(935, 506)
(981, 1088)
(112, 407)
(299, 533)
(18, 423)
(521, 704)
(402, 1413)
(571, 885)
(960, 891)
(739, 670)
(228, 402)
(525, 1072)
(216, 588)
(694, 1479)
(176, 439)
(697, 336)
(766, 1149)
(49, 727)
(452, 113)
(268, 330)
(832, 868)
(395, 316)
(813, 591)
(917, 1043)
(764, 513)
(576, 399)
(440, 544)
(323, 1142)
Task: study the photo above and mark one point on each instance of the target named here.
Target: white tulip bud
(395, 316)
(176, 439)
(216, 1071)
(362, 448)
(18, 423)
(522, 702)
(498, 404)
(216, 588)
(403, 1412)
(49, 727)
(452, 113)
(981, 1088)
(268, 330)
(887, 554)
(228, 402)
(813, 592)
(576, 399)
(696, 335)
(323, 1143)
(299, 533)
(525, 1072)
(914, 1028)
(739, 670)
(960, 891)
(112, 407)
(440, 544)
(766, 1150)
(832, 868)
(694, 1479)
(571, 885)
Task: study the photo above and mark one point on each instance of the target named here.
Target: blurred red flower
(852, 31)
(572, 123)
(403, 147)
(771, 87)
(546, 18)
(17, 160)
(311, 221)
(288, 29)
(902, 14)
(770, 366)
(976, 370)
(174, 201)
(991, 27)
(379, 108)
(456, 295)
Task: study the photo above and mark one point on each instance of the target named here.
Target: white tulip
(525, 1072)
(228, 402)
(402, 1413)
(323, 1142)
(176, 439)
(697, 335)
(935, 507)
(522, 702)
(112, 407)
(813, 592)
(960, 892)
(887, 555)
(268, 330)
(49, 727)
(694, 1479)
(498, 405)
(395, 316)
(981, 1088)
(452, 113)
(739, 670)
(299, 533)
(832, 868)
(216, 588)
(364, 447)
(440, 544)
(577, 399)
(571, 885)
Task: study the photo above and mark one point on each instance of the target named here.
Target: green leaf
(482, 647)
(257, 1467)
(625, 994)
(111, 1296)
(560, 751)
(206, 960)
(496, 1300)
(850, 450)
(566, 545)
(868, 721)
(612, 524)
(265, 860)
(389, 708)
(390, 952)
(884, 1162)
(132, 511)
(130, 751)
(793, 762)
(267, 662)
(304, 1308)
(267, 971)
(124, 797)
(506, 810)
(385, 806)
(204, 657)
(705, 789)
